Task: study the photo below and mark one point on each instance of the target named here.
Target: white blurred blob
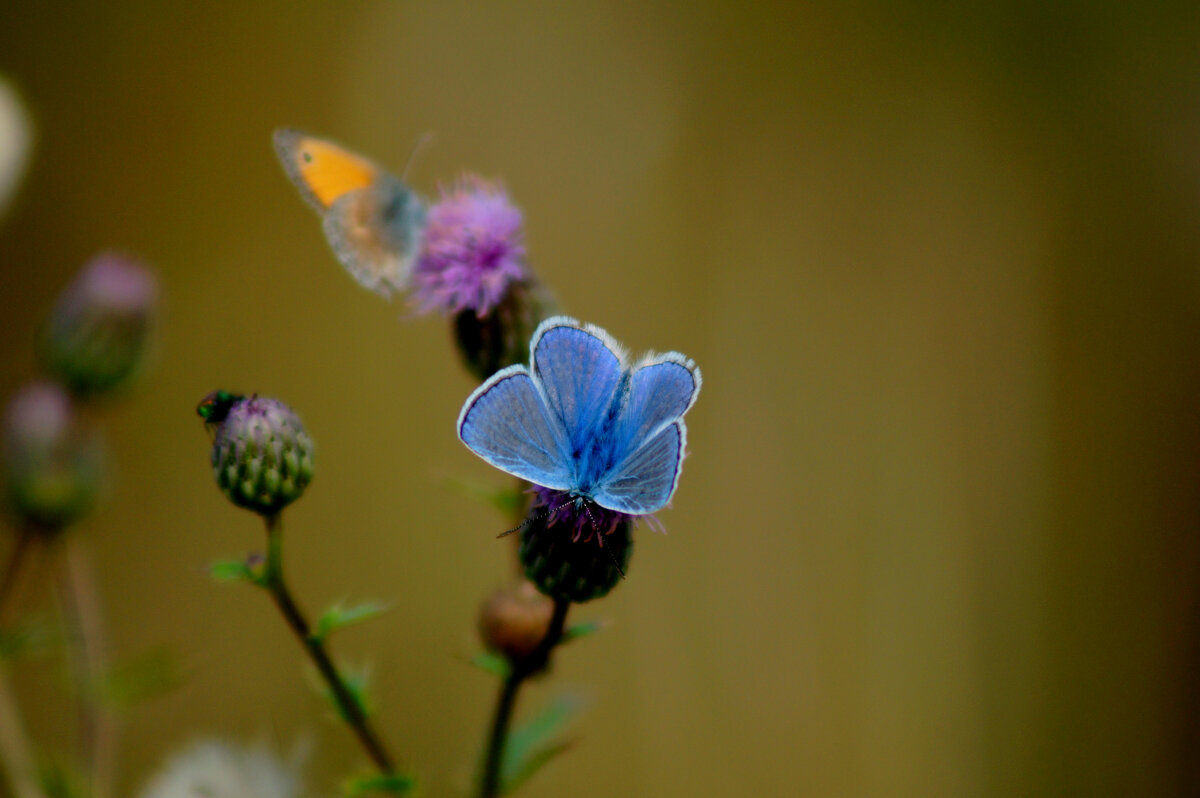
(16, 138)
(216, 769)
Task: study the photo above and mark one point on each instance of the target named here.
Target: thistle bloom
(473, 250)
(52, 464)
(98, 332)
(262, 458)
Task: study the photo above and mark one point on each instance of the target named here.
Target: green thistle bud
(514, 620)
(98, 332)
(501, 338)
(52, 464)
(261, 456)
(571, 567)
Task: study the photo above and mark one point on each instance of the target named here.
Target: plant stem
(97, 727)
(350, 707)
(521, 670)
(16, 752)
(12, 569)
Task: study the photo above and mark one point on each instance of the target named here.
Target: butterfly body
(372, 220)
(580, 421)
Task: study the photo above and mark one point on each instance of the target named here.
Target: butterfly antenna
(421, 142)
(530, 520)
(600, 540)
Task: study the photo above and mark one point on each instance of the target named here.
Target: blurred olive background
(940, 267)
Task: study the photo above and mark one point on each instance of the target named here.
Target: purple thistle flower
(473, 249)
(583, 518)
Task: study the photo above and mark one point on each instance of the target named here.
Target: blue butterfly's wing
(579, 368)
(645, 480)
(648, 438)
(661, 389)
(506, 422)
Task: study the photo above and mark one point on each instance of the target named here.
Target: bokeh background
(940, 265)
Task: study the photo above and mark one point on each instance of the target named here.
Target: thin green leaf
(339, 616)
(30, 636)
(234, 571)
(378, 784)
(531, 745)
(509, 501)
(532, 763)
(578, 630)
(492, 663)
(140, 679)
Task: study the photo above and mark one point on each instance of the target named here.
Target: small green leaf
(339, 616)
(378, 783)
(60, 781)
(30, 636)
(531, 745)
(492, 663)
(140, 679)
(578, 630)
(234, 571)
(509, 501)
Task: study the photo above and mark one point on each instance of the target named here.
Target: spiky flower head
(98, 333)
(52, 462)
(573, 549)
(514, 620)
(472, 250)
(501, 338)
(261, 456)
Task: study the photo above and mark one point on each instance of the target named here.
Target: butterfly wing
(661, 389)
(507, 422)
(646, 479)
(375, 232)
(580, 368)
(373, 222)
(321, 170)
(648, 438)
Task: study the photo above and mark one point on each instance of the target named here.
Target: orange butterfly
(372, 220)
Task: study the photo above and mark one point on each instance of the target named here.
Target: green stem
(521, 670)
(98, 726)
(12, 570)
(350, 707)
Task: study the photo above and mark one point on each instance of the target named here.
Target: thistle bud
(501, 338)
(98, 332)
(261, 456)
(514, 620)
(573, 550)
(52, 464)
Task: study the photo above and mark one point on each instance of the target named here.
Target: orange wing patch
(322, 170)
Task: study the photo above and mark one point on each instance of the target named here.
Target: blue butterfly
(581, 421)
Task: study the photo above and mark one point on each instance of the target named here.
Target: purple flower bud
(472, 250)
(52, 465)
(261, 456)
(97, 334)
